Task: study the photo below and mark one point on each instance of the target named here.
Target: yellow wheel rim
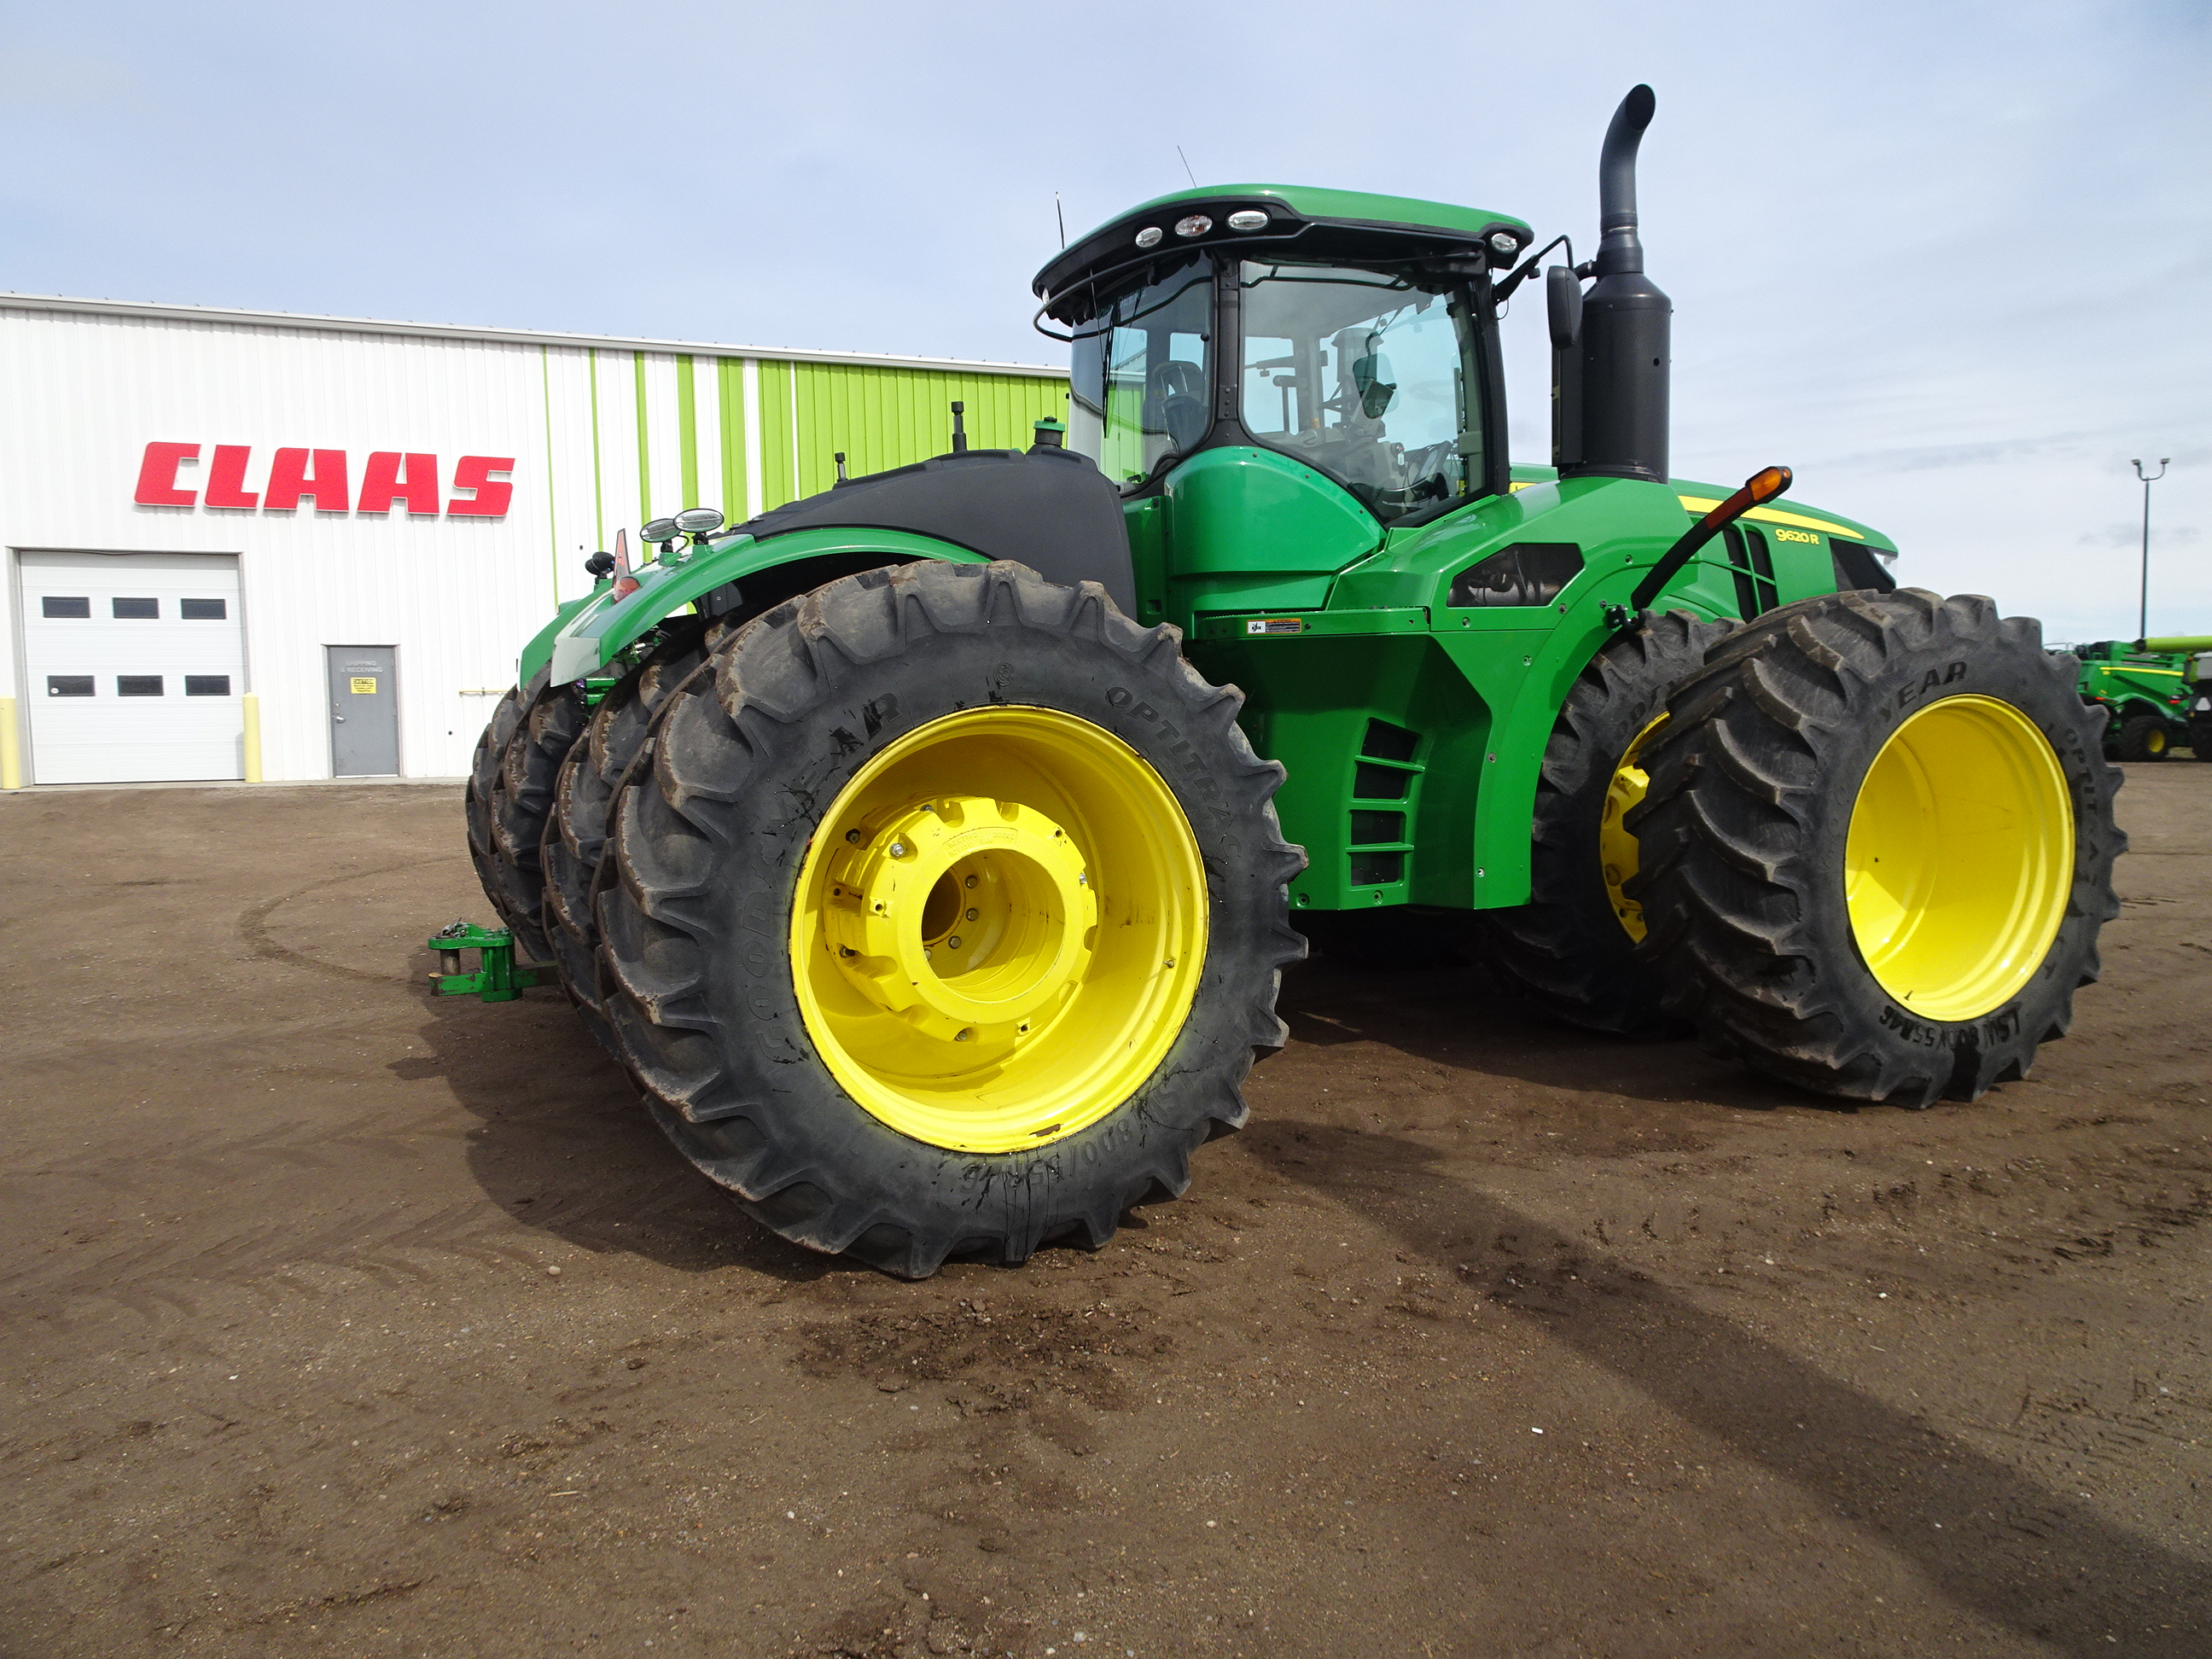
(1960, 858)
(998, 929)
(1616, 848)
(2155, 742)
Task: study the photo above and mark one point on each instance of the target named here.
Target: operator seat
(1176, 403)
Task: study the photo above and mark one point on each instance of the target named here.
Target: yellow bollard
(11, 754)
(250, 706)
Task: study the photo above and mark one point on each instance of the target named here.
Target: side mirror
(1376, 383)
(1562, 302)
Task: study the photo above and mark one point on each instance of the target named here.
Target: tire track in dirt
(161, 1282)
(158, 1280)
(253, 925)
(297, 1143)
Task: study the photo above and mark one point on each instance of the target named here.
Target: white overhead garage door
(134, 663)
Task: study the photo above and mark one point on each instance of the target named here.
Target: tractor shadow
(563, 1143)
(2013, 1552)
(1465, 1021)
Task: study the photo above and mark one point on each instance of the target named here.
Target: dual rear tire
(939, 911)
(1877, 847)
(1864, 843)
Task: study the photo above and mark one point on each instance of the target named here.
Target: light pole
(2143, 615)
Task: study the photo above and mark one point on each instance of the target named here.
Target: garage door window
(143, 661)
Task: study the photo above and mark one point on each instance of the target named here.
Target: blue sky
(1951, 263)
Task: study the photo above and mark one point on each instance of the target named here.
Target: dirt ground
(339, 1320)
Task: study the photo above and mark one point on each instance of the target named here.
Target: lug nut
(971, 915)
(853, 836)
(970, 881)
(952, 943)
(898, 849)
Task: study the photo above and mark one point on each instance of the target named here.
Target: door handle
(340, 719)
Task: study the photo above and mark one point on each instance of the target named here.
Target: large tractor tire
(1877, 847)
(1572, 949)
(576, 829)
(2144, 737)
(510, 797)
(948, 916)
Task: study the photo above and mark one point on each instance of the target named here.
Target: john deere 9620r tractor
(928, 850)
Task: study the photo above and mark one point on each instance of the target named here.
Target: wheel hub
(999, 928)
(1618, 857)
(1960, 858)
(963, 915)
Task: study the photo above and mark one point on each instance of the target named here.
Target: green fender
(587, 634)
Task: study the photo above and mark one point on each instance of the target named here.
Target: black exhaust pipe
(1619, 376)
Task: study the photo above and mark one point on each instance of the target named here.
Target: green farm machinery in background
(927, 851)
(2156, 694)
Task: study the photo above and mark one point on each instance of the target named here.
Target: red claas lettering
(488, 496)
(290, 482)
(226, 485)
(157, 476)
(382, 482)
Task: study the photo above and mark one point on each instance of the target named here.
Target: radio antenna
(1060, 214)
(1188, 174)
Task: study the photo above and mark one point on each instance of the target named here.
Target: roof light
(1502, 242)
(659, 529)
(1197, 225)
(1247, 219)
(1149, 236)
(699, 521)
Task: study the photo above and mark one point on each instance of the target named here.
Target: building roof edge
(293, 320)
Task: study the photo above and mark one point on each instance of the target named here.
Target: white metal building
(246, 544)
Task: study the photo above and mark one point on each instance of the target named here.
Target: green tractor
(929, 850)
(2150, 694)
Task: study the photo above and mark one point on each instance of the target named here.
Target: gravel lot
(343, 1320)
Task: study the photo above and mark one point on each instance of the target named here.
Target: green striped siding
(644, 455)
(779, 464)
(730, 399)
(879, 417)
(687, 430)
(599, 467)
(887, 418)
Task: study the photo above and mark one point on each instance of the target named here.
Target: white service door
(134, 663)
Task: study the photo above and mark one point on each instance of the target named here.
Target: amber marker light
(1760, 488)
(625, 583)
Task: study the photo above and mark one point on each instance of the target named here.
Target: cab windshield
(1367, 376)
(1138, 390)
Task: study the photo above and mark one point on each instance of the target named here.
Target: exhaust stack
(1610, 377)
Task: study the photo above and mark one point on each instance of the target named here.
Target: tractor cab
(1353, 334)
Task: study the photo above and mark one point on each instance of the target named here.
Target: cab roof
(1303, 221)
